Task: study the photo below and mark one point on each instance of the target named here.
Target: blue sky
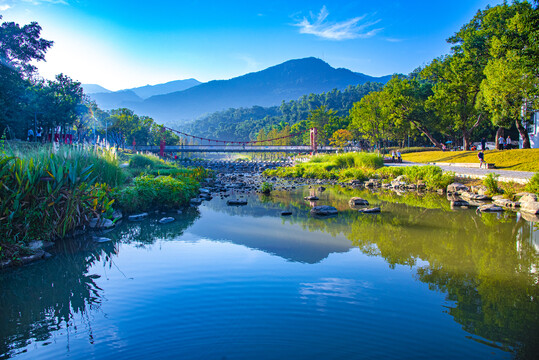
(121, 44)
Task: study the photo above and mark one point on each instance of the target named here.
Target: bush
(491, 182)
(163, 192)
(533, 184)
(266, 187)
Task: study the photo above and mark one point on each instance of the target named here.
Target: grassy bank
(518, 159)
(362, 166)
(45, 194)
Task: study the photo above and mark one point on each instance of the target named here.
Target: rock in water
(324, 210)
(138, 217)
(286, 213)
(311, 198)
(98, 239)
(166, 220)
(530, 207)
(370, 210)
(490, 208)
(357, 201)
(236, 202)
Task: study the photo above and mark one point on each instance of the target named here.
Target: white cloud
(344, 30)
(4, 7)
(39, 2)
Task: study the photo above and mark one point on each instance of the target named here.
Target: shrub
(491, 182)
(533, 184)
(266, 187)
(148, 192)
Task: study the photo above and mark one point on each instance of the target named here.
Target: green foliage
(491, 182)
(162, 192)
(246, 123)
(266, 187)
(533, 184)
(45, 198)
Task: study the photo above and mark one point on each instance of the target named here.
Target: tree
(512, 73)
(21, 45)
(457, 79)
(406, 98)
(341, 138)
(370, 117)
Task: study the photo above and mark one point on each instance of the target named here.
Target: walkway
(521, 177)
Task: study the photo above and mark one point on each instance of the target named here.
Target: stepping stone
(138, 217)
(370, 210)
(166, 220)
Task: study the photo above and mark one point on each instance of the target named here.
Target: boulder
(455, 187)
(35, 245)
(324, 210)
(459, 203)
(286, 213)
(395, 184)
(99, 239)
(117, 215)
(357, 201)
(479, 189)
(530, 207)
(530, 217)
(400, 178)
(166, 220)
(506, 203)
(311, 198)
(97, 223)
(195, 202)
(490, 208)
(370, 210)
(321, 189)
(138, 217)
(471, 196)
(528, 197)
(372, 183)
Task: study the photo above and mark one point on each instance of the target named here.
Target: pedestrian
(483, 144)
(399, 158)
(392, 156)
(501, 143)
(481, 157)
(508, 142)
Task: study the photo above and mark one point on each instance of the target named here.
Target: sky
(121, 44)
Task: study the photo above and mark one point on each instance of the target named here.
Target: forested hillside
(245, 123)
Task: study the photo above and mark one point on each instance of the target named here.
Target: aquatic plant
(266, 187)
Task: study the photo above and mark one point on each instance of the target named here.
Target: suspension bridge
(224, 146)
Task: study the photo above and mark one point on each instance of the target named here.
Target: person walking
(399, 158)
(481, 157)
(483, 144)
(392, 156)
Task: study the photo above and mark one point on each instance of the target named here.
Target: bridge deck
(234, 148)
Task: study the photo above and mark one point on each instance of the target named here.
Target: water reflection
(44, 297)
(485, 264)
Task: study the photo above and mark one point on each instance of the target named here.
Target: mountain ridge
(282, 82)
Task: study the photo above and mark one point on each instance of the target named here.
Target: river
(417, 281)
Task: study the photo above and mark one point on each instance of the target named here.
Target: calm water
(415, 282)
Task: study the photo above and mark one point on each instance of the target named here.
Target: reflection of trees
(37, 299)
(149, 230)
(483, 262)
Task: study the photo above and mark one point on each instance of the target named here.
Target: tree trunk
(499, 133)
(427, 134)
(523, 134)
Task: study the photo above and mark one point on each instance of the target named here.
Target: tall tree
(510, 87)
(19, 46)
(370, 117)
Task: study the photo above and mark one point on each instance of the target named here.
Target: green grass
(518, 159)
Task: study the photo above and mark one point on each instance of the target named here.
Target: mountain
(159, 89)
(287, 81)
(116, 99)
(107, 99)
(94, 88)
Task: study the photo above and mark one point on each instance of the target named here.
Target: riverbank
(516, 159)
(50, 193)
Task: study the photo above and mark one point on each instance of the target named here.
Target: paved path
(521, 177)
